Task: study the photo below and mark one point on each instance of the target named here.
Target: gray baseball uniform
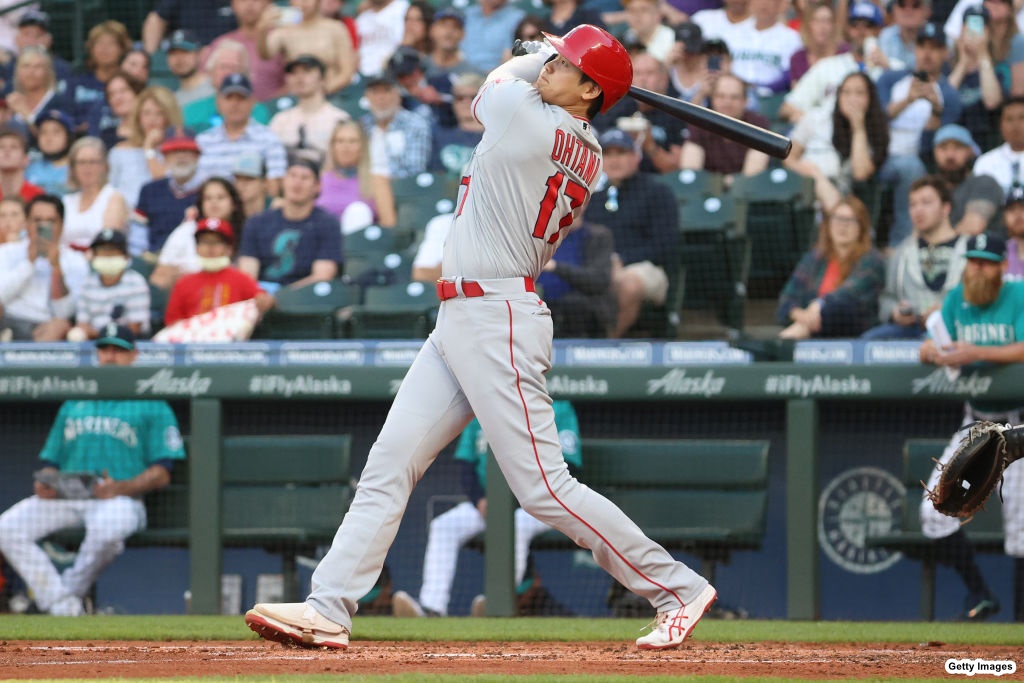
(534, 168)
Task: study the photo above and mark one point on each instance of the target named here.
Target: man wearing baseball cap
(113, 293)
(183, 62)
(976, 198)
(162, 202)
(33, 31)
(99, 461)
(238, 134)
(267, 74)
(251, 184)
(218, 283)
(309, 120)
(446, 34)
(984, 318)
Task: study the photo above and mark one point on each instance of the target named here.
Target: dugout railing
(798, 389)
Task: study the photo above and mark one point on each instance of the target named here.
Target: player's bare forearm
(152, 478)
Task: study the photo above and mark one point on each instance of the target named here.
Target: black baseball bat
(742, 132)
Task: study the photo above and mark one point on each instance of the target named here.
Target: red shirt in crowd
(202, 292)
(27, 192)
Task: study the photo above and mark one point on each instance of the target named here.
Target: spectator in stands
(643, 216)
(313, 34)
(426, 265)
(1004, 162)
(841, 147)
(725, 23)
(817, 87)
(297, 244)
(924, 267)
(976, 198)
(833, 292)
(206, 19)
(976, 79)
(429, 98)
(899, 39)
(113, 292)
(33, 32)
(418, 19)
(48, 165)
(135, 160)
(577, 283)
(13, 161)
(108, 118)
(917, 104)
(644, 29)
(452, 529)
(1006, 43)
(762, 58)
(565, 15)
(690, 74)
(821, 36)
(349, 186)
(229, 58)
(308, 124)
(216, 283)
(183, 63)
(446, 34)
(107, 43)
(267, 74)
(658, 135)
(163, 202)
(130, 445)
(380, 25)
(34, 89)
(95, 204)
(251, 185)
(238, 134)
(40, 277)
(711, 152)
(1013, 215)
(489, 28)
(217, 199)
(985, 320)
(13, 220)
(399, 139)
(136, 63)
(453, 147)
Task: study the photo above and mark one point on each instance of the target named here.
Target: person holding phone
(39, 278)
(975, 78)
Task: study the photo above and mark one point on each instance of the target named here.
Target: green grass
(176, 627)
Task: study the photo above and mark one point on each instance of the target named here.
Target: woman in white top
(96, 204)
(217, 198)
(135, 160)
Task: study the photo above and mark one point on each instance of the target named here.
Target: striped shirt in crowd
(97, 303)
(219, 152)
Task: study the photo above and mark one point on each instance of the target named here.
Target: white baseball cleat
(296, 623)
(674, 626)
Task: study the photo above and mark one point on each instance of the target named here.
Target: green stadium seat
(350, 98)
(308, 312)
(421, 197)
(780, 222)
(375, 240)
(691, 185)
(398, 311)
(715, 254)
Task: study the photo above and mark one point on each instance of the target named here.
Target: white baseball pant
(107, 523)
(451, 530)
(487, 355)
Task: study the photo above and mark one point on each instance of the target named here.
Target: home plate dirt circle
(104, 659)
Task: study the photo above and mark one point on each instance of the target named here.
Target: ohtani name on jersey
(572, 153)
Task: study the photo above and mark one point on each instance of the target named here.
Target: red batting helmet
(597, 54)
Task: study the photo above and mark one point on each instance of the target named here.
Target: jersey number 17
(576, 193)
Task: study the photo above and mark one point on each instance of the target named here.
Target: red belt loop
(446, 289)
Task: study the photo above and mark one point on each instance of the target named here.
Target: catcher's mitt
(969, 477)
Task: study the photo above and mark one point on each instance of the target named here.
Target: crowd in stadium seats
(298, 124)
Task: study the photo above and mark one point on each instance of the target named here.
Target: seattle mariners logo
(856, 505)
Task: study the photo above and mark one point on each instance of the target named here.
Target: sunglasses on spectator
(917, 4)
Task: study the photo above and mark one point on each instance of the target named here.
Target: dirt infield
(33, 659)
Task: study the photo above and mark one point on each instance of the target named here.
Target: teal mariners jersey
(122, 438)
(998, 324)
(472, 446)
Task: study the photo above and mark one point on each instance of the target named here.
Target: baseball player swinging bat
(746, 134)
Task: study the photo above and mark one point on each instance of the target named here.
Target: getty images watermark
(980, 667)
